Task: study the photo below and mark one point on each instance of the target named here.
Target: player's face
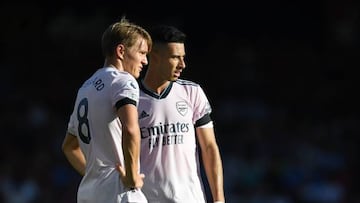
(135, 57)
(173, 61)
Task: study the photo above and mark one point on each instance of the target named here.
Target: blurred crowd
(283, 94)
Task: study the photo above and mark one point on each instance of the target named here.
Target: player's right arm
(73, 153)
(212, 162)
(128, 116)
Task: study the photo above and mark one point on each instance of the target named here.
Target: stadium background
(281, 77)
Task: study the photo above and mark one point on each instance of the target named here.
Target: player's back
(99, 131)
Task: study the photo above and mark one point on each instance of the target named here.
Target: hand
(136, 182)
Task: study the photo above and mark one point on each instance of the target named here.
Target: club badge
(182, 107)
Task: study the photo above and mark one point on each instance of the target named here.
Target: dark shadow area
(281, 77)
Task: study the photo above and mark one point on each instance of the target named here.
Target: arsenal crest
(182, 107)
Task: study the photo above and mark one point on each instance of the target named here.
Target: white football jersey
(169, 156)
(95, 123)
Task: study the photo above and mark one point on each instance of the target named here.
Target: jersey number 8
(83, 126)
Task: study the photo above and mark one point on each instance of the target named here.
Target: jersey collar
(151, 93)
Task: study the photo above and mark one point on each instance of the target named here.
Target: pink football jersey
(169, 156)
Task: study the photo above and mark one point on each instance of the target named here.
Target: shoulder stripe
(186, 82)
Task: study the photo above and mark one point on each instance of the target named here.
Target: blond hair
(123, 32)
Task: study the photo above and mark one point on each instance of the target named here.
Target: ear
(120, 50)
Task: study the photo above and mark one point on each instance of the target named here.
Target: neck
(153, 83)
(113, 63)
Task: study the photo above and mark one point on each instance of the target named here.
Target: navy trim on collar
(153, 94)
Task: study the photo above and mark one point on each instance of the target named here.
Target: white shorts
(133, 196)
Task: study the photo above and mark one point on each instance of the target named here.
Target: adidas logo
(143, 115)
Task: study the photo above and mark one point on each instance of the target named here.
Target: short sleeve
(124, 87)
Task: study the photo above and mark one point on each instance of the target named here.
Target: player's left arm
(212, 162)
